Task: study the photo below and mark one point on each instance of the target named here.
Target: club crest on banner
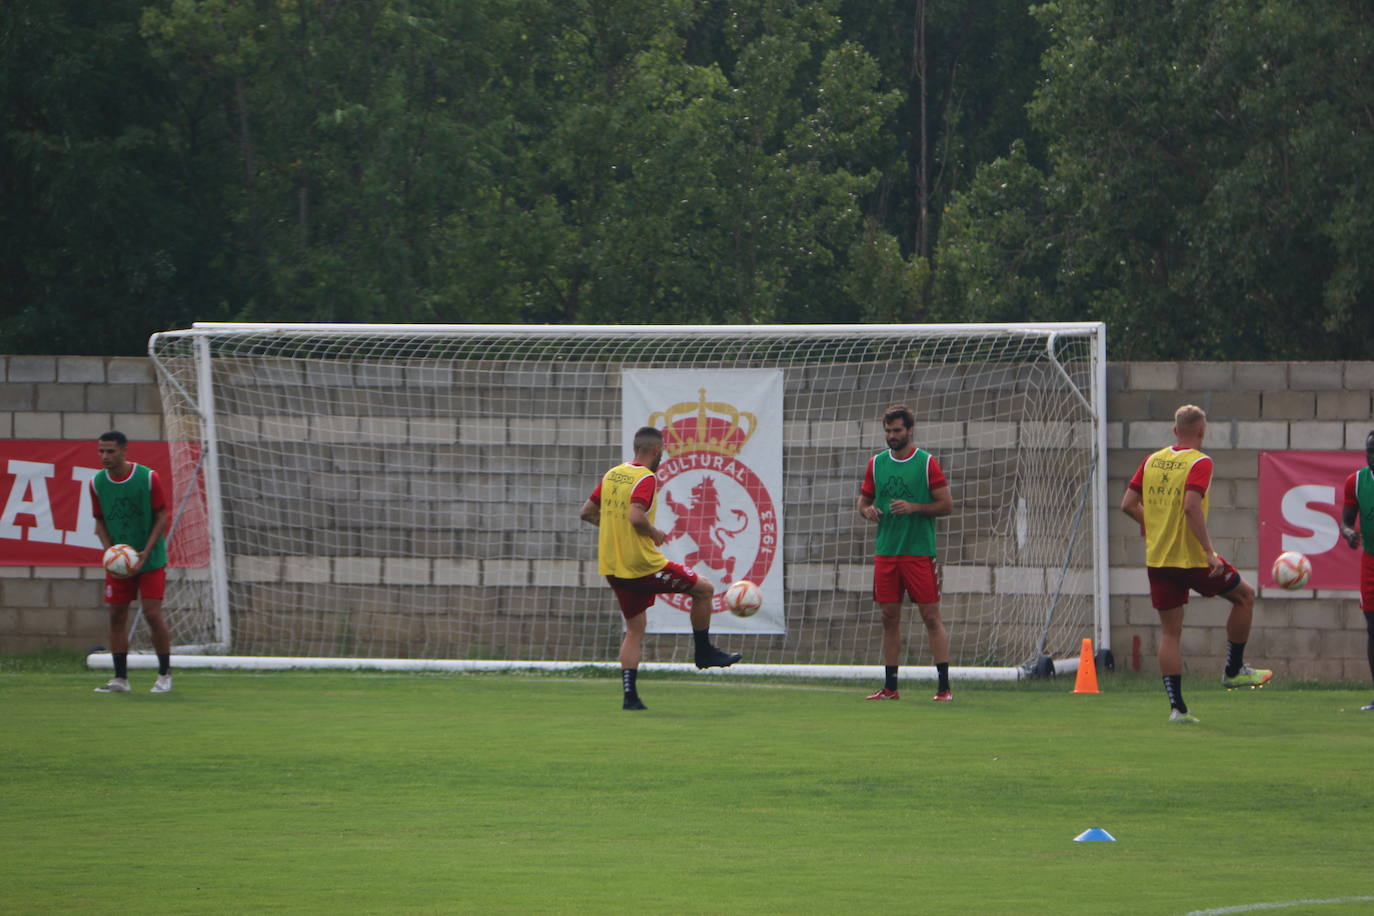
(720, 517)
(719, 489)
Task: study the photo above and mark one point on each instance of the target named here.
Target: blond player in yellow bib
(1168, 498)
(622, 508)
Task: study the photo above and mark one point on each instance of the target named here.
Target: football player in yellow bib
(622, 508)
(1168, 498)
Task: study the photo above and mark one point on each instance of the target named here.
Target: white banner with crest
(719, 484)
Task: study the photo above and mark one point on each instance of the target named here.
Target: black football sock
(702, 639)
(1173, 686)
(942, 670)
(1369, 640)
(164, 664)
(890, 677)
(627, 681)
(1235, 658)
(121, 663)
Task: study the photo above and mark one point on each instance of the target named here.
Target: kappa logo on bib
(717, 514)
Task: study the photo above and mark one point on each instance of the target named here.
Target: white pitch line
(1280, 905)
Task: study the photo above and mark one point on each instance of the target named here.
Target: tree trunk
(923, 154)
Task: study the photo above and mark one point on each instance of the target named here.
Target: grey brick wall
(1251, 406)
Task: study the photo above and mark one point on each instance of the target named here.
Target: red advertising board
(46, 517)
(1300, 499)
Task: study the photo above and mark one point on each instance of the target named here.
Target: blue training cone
(1094, 835)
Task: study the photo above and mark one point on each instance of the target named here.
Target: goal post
(377, 494)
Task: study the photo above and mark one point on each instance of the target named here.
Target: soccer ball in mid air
(1292, 570)
(119, 560)
(743, 598)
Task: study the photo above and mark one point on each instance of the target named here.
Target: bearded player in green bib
(904, 491)
(130, 507)
(1359, 506)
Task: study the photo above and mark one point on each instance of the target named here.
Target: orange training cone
(1086, 681)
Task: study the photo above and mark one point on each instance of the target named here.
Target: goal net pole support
(214, 497)
(1102, 591)
(1096, 407)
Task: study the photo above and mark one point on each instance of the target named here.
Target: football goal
(408, 495)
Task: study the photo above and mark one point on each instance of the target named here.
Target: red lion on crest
(700, 521)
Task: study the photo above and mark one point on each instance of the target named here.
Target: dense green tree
(539, 161)
(999, 257)
(967, 70)
(1195, 173)
(111, 222)
(352, 131)
(415, 160)
(1209, 176)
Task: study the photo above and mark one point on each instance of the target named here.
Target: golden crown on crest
(704, 426)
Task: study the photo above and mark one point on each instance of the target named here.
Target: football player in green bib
(904, 491)
(130, 507)
(1359, 506)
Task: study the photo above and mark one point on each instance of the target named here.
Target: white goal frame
(195, 425)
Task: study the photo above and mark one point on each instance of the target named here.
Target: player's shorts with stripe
(894, 577)
(1367, 582)
(1169, 585)
(151, 584)
(635, 595)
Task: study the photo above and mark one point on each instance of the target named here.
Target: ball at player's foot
(1292, 570)
(743, 598)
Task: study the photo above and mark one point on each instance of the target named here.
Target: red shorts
(894, 577)
(635, 595)
(151, 584)
(1366, 582)
(1169, 584)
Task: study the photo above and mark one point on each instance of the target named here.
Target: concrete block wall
(1252, 406)
(78, 397)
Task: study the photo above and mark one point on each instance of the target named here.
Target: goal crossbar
(637, 330)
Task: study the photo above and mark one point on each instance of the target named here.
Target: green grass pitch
(371, 793)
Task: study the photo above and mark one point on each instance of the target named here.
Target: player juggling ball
(622, 508)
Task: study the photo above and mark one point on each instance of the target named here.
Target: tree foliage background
(1198, 174)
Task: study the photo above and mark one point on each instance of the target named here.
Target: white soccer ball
(743, 598)
(1292, 570)
(119, 560)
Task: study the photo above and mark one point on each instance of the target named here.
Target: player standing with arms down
(130, 507)
(904, 491)
(1359, 504)
(1168, 498)
(622, 508)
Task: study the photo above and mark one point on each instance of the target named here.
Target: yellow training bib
(1168, 542)
(624, 552)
